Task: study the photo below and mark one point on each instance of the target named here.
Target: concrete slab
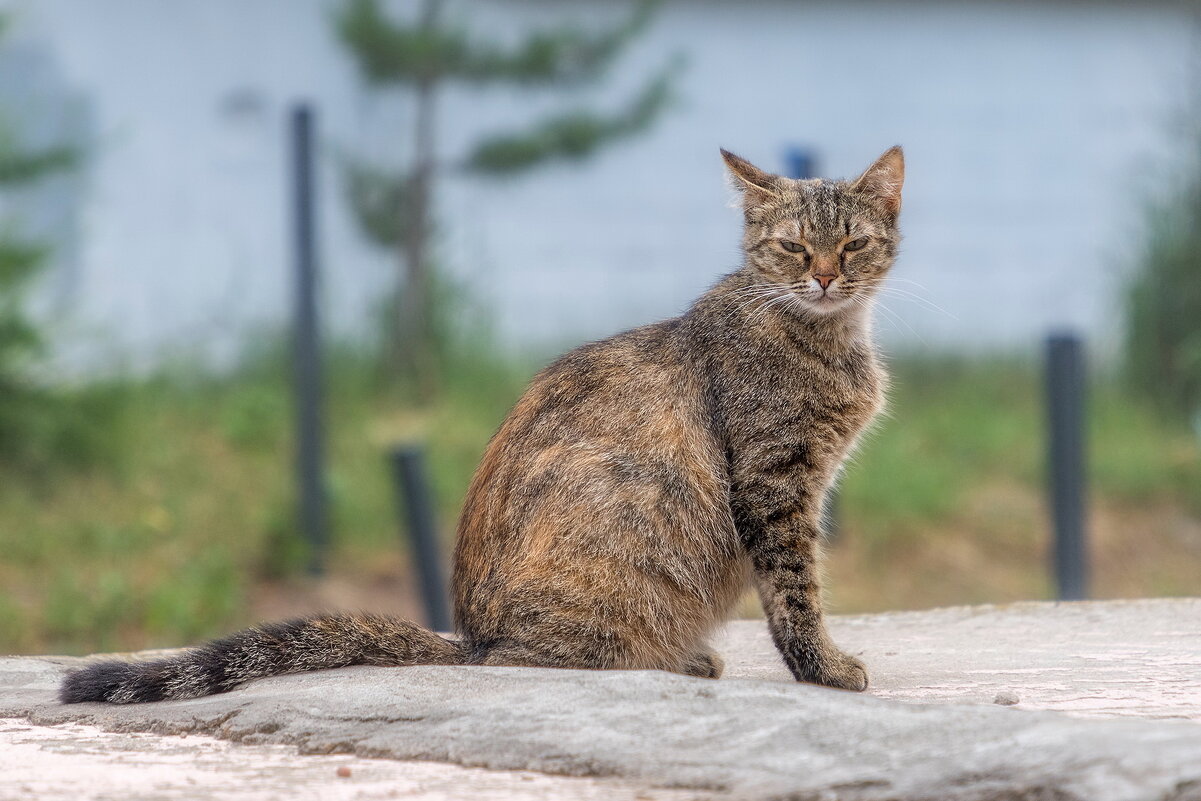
(1099, 659)
(754, 734)
(75, 761)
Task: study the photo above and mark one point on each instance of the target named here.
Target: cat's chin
(825, 305)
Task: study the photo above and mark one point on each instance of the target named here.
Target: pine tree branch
(17, 168)
(381, 200)
(574, 135)
(19, 262)
(395, 52)
(567, 55)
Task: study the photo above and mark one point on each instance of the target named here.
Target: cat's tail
(319, 642)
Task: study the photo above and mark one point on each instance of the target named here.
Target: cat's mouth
(826, 302)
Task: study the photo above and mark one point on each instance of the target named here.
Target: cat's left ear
(884, 179)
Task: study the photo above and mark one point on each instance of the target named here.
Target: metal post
(306, 347)
(1065, 407)
(802, 162)
(413, 495)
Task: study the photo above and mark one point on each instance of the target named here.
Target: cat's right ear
(755, 184)
(883, 180)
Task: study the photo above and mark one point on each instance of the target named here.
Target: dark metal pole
(413, 495)
(1066, 422)
(802, 162)
(307, 348)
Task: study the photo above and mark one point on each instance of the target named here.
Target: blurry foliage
(429, 53)
(423, 56)
(18, 167)
(172, 548)
(575, 135)
(943, 503)
(1163, 306)
(954, 425)
(382, 201)
(392, 52)
(39, 424)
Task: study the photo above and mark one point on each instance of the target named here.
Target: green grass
(945, 502)
(949, 425)
(956, 425)
(165, 541)
(161, 543)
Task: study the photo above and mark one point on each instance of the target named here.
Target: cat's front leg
(785, 556)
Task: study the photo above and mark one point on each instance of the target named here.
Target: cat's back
(595, 389)
(627, 407)
(608, 455)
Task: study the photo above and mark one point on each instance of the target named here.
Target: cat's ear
(755, 184)
(884, 179)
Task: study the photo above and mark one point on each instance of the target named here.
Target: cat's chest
(806, 397)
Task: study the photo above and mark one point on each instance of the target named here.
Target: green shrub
(1163, 306)
(40, 424)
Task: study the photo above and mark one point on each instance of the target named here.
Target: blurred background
(496, 181)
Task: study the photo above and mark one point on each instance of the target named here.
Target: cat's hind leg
(509, 653)
(703, 663)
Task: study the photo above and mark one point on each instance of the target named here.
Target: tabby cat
(622, 506)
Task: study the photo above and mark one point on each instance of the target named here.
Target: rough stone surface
(1102, 658)
(754, 734)
(75, 761)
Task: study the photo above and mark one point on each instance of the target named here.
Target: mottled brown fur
(640, 482)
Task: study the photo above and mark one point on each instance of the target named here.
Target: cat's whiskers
(785, 298)
(751, 307)
(868, 305)
(878, 285)
(892, 315)
(904, 295)
(751, 311)
(917, 284)
(756, 300)
(798, 302)
(750, 293)
(786, 292)
(751, 289)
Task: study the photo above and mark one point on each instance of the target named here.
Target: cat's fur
(618, 512)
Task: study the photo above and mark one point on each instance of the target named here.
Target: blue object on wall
(801, 162)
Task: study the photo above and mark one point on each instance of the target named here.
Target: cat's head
(823, 244)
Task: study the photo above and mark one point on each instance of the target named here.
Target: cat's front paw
(835, 669)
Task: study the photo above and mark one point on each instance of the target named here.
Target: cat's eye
(792, 247)
(856, 244)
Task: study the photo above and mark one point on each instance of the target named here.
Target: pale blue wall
(1033, 134)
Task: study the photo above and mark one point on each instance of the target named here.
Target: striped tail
(319, 642)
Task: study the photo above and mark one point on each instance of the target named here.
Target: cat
(642, 481)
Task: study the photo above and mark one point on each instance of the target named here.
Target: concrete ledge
(754, 735)
(1098, 658)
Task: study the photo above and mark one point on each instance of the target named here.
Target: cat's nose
(825, 280)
